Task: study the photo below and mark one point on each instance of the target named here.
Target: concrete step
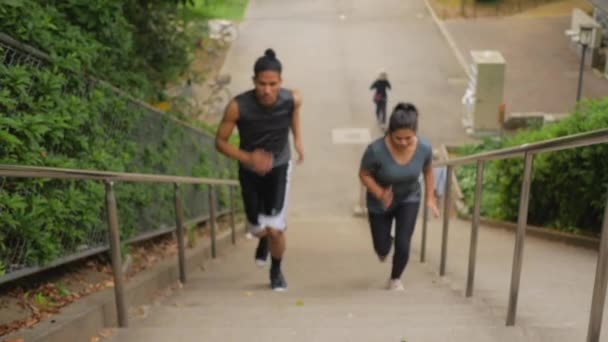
(272, 331)
(244, 297)
(344, 315)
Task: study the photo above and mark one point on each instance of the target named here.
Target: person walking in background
(440, 177)
(380, 86)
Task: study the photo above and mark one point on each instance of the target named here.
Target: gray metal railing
(528, 151)
(13, 52)
(109, 179)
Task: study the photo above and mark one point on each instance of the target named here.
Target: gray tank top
(266, 128)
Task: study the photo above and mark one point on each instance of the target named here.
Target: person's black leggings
(404, 215)
(381, 111)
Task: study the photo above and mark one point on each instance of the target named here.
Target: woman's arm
(384, 195)
(370, 183)
(429, 190)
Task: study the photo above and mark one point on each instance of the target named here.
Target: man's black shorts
(265, 197)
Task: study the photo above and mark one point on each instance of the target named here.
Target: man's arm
(231, 115)
(295, 125)
(259, 160)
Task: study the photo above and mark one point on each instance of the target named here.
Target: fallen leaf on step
(300, 303)
(106, 333)
(31, 321)
(140, 311)
(94, 339)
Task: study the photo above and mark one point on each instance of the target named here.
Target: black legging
(404, 215)
(381, 110)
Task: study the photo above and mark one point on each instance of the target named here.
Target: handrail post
(179, 230)
(232, 214)
(212, 217)
(425, 219)
(475, 228)
(599, 288)
(114, 230)
(522, 222)
(446, 219)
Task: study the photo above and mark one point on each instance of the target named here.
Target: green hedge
(53, 116)
(137, 45)
(46, 121)
(569, 188)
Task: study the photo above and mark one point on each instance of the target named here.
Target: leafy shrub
(569, 188)
(45, 121)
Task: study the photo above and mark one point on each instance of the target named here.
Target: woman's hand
(432, 204)
(386, 197)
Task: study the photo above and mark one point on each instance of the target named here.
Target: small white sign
(351, 136)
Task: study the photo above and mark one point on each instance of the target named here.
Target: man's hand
(260, 161)
(300, 151)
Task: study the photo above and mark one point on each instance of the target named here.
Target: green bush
(466, 175)
(137, 45)
(46, 121)
(569, 188)
(55, 116)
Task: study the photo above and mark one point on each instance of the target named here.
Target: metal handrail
(24, 47)
(567, 142)
(108, 178)
(528, 151)
(20, 171)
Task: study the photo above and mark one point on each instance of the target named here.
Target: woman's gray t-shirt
(405, 179)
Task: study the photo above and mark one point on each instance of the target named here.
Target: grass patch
(215, 9)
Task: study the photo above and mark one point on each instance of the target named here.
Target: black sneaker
(277, 282)
(261, 252)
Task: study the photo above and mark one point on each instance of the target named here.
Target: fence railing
(110, 179)
(29, 243)
(528, 151)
